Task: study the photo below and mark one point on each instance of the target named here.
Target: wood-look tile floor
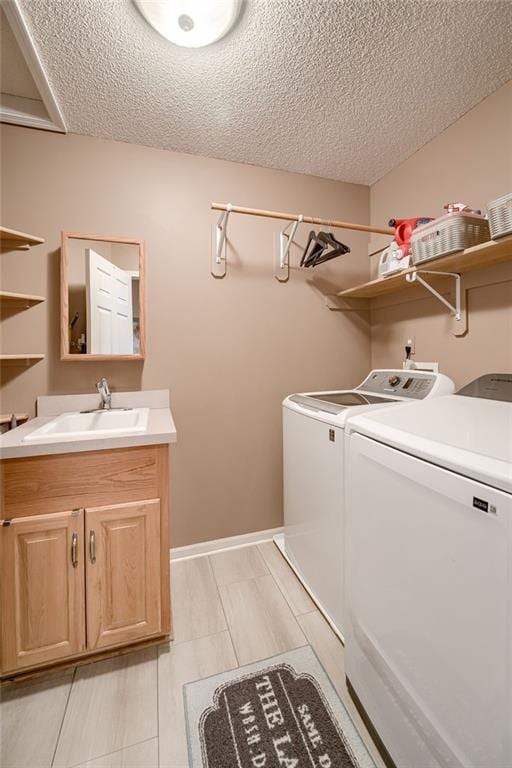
(229, 609)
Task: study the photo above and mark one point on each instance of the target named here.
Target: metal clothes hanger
(326, 247)
(339, 250)
(318, 247)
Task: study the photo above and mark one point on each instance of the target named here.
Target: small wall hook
(220, 256)
(285, 241)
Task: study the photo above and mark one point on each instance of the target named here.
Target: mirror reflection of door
(102, 297)
(110, 329)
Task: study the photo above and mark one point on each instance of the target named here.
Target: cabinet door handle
(74, 550)
(92, 546)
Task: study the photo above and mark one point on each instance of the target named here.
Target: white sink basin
(77, 425)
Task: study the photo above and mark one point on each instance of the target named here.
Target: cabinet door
(123, 573)
(42, 589)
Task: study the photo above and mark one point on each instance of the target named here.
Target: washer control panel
(411, 384)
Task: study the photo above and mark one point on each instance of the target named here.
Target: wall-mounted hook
(285, 241)
(219, 248)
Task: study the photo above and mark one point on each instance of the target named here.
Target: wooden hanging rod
(306, 219)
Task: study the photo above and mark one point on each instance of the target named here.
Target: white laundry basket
(450, 233)
(499, 213)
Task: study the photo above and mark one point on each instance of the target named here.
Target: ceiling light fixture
(190, 23)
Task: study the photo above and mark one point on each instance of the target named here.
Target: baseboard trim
(218, 545)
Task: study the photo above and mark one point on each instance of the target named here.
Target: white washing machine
(313, 425)
(429, 577)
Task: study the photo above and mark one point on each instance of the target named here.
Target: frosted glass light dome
(190, 23)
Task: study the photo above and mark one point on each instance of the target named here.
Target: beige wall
(471, 161)
(228, 350)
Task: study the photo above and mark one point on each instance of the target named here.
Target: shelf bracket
(282, 273)
(414, 277)
(219, 260)
(457, 310)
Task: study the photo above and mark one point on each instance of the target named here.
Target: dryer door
(428, 603)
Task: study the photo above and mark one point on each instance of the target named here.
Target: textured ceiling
(345, 89)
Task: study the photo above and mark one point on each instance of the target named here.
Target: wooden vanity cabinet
(92, 576)
(123, 597)
(42, 589)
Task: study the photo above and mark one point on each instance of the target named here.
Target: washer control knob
(394, 380)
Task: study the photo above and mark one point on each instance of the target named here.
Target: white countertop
(160, 430)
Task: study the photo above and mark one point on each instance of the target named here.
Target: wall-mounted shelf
(478, 257)
(24, 300)
(11, 238)
(20, 360)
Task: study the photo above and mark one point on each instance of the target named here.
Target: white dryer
(429, 577)
(313, 427)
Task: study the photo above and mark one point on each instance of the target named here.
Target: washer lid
(335, 402)
(468, 435)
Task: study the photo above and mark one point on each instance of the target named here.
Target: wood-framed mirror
(102, 283)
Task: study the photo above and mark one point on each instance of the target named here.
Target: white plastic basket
(499, 213)
(450, 233)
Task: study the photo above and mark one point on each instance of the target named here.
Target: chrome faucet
(106, 399)
(104, 393)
